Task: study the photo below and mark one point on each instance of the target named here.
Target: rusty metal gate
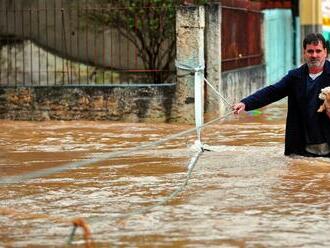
(241, 34)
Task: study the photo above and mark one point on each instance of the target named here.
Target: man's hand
(238, 108)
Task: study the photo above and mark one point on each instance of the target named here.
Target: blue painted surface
(279, 43)
(326, 35)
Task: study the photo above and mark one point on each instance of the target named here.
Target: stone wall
(154, 103)
(131, 104)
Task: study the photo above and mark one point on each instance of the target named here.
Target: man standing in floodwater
(307, 131)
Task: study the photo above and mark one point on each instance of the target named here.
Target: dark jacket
(293, 85)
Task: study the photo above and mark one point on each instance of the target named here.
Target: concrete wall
(190, 25)
(237, 84)
(131, 104)
(213, 54)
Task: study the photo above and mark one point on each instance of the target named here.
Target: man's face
(315, 55)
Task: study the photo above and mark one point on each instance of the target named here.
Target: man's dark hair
(314, 38)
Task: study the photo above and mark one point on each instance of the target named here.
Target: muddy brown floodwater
(244, 193)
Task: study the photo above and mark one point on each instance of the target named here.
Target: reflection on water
(244, 193)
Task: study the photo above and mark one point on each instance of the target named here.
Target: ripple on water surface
(243, 193)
